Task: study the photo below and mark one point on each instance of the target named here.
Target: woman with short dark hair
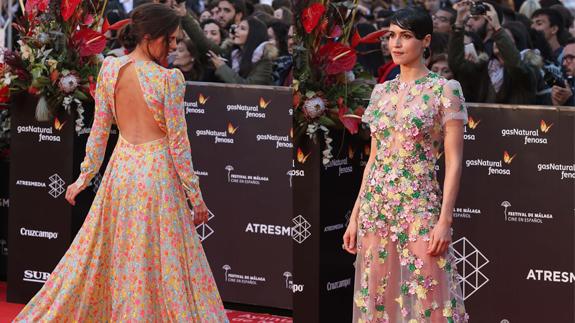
(400, 226)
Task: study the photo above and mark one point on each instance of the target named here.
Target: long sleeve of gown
(98, 139)
(178, 135)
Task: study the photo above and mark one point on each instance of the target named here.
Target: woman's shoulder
(445, 83)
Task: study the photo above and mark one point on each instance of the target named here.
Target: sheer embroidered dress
(396, 280)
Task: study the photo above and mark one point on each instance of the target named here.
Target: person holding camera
(477, 21)
(501, 78)
(246, 59)
(562, 92)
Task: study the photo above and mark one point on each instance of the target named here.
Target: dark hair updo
(418, 21)
(152, 19)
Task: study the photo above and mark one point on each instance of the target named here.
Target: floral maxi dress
(137, 257)
(396, 280)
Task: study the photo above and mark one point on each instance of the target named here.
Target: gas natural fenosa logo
(494, 167)
(58, 125)
(231, 129)
(263, 103)
(471, 123)
(222, 137)
(202, 99)
(301, 157)
(530, 136)
(507, 158)
(544, 127)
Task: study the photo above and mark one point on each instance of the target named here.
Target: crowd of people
(508, 52)
(229, 41)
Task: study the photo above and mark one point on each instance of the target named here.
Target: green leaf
(81, 96)
(326, 121)
(402, 237)
(427, 313)
(383, 254)
(380, 308)
(412, 267)
(404, 289)
(425, 98)
(417, 122)
(310, 94)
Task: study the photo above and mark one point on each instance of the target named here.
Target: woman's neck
(140, 54)
(413, 71)
(186, 68)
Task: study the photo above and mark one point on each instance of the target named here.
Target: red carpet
(8, 312)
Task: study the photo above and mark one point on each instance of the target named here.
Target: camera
(478, 8)
(551, 79)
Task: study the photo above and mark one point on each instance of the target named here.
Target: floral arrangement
(330, 89)
(58, 55)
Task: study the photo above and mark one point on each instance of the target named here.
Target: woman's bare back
(135, 120)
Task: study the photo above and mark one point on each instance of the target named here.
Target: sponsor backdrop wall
(241, 142)
(45, 159)
(514, 219)
(4, 204)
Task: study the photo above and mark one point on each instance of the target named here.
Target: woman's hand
(350, 235)
(470, 57)
(492, 17)
(440, 239)
(462, 9)
(180, 8)
(216, 59)
(72, 191)
(201, 213)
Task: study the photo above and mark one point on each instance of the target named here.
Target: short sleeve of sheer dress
(371, 112)
(453, 103)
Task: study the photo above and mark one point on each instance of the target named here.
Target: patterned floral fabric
(137, 258)
(396, 280)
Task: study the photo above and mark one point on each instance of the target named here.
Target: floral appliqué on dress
(396, 280)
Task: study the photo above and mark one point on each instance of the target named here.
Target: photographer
(476, 21)
(563, 94)
(504, 77)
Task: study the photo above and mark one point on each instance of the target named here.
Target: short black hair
(555, 18)
(418, 21)
(452, 12)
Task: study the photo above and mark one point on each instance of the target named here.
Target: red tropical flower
(350, 121)
(311, 16)
(34, 6)
(4, 94)
(89, 42)
(68, 8)
(337, 57)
